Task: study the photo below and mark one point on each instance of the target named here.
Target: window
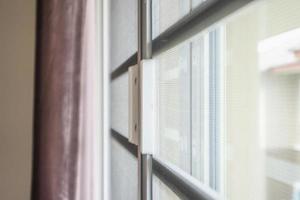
(228, 103)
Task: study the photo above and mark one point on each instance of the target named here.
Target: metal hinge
(133, 84)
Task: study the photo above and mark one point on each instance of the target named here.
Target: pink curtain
(67, 120)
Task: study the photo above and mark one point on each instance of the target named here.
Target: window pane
(196, 3)
(173, 74)
(162, 191)
(124, 31)
(167, 12)
(119, 104)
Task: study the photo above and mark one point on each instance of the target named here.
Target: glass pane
(196, 3)
(173, 74)
(161, 191)
(124, 172)
(124, 31)
(119, 104)
(167, 12)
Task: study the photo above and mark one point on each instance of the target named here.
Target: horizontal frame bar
(123, 68)
(132, 148)
(179, 184)
(203, 16)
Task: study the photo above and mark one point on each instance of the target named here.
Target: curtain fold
(90, 154)
(66, 116)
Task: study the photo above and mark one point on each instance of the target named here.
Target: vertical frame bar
(145, 52)
(146, 37)
(147, 177)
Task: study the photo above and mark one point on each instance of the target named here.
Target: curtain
(67, 119)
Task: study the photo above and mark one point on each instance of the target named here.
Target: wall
(17, 21)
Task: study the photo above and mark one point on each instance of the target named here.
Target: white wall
(17, 29)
